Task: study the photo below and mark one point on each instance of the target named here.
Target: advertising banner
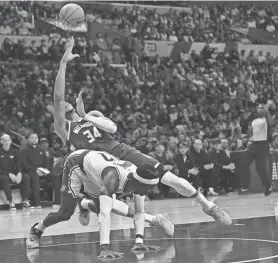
(161, 48)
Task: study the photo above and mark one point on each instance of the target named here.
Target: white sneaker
(211, 192)
(162, 221)
(83, 215)
(38, 207)
(220, 216)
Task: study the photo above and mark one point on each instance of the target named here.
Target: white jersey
(259, 127)
(93, 164)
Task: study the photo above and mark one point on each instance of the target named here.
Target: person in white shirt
(258, 150)
(173, 37)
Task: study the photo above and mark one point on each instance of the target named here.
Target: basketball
(72, 16)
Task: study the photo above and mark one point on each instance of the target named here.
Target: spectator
(204, 164)
(168, 163)
(51, 182)
(224, 168)
(34, 163)
(185, 165)
(11, 173)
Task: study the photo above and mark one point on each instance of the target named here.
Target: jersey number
(125, 164)
(107, 158)
(92, 137)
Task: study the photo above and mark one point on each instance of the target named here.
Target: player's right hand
(110, 254)
(143, 247)
(68, 56)
(80, 105)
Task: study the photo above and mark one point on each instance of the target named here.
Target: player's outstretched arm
(97, 119)
(59, 93)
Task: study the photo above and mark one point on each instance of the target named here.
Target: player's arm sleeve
(59, 103)
(102, 123)
(139, 217)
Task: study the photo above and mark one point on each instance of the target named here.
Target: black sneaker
(33, 240)
(12, 206)
(267, 191)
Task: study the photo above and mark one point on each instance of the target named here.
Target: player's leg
(90, 203)
(69, 196)
(182, 186)
(67, 208)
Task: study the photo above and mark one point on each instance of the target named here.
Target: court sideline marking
(185, 238)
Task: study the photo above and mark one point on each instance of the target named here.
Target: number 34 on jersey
(92, 134)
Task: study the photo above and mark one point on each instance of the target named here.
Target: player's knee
(152, 171)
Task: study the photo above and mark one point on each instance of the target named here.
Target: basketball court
(252, 238)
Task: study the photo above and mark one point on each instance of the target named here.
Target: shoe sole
(84, 221)
(224, 220)
(167, 221)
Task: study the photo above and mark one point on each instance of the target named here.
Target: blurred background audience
(190, 109)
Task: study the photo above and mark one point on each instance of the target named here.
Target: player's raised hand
(143, 247)
(110, 254)
(68, 56)
(80, 105)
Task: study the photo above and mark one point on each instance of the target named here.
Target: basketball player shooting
(78, 133)
(93, 132)
(103, 175)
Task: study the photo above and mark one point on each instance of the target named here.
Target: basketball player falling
(105, 142)
(103, 175)
(92, 132)
(259, 150)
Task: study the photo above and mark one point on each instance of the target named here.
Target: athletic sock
(84, 203)
(205, 203)
(40, 226)
(149, 218)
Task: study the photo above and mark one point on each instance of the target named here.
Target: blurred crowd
(164, 108)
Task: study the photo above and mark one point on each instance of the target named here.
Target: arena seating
(214, 87)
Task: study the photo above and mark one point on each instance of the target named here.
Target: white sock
(184, 188)
(84, 203)
(149, 218)
(205, 203)
(40, 226)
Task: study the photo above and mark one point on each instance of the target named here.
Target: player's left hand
(143, 247)
(68, 56)
(110, 254)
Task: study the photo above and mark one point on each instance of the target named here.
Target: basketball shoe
(84, 214)
(162, 221)
(33, 240)
(220, 216)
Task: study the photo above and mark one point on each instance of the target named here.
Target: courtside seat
(15, 194)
